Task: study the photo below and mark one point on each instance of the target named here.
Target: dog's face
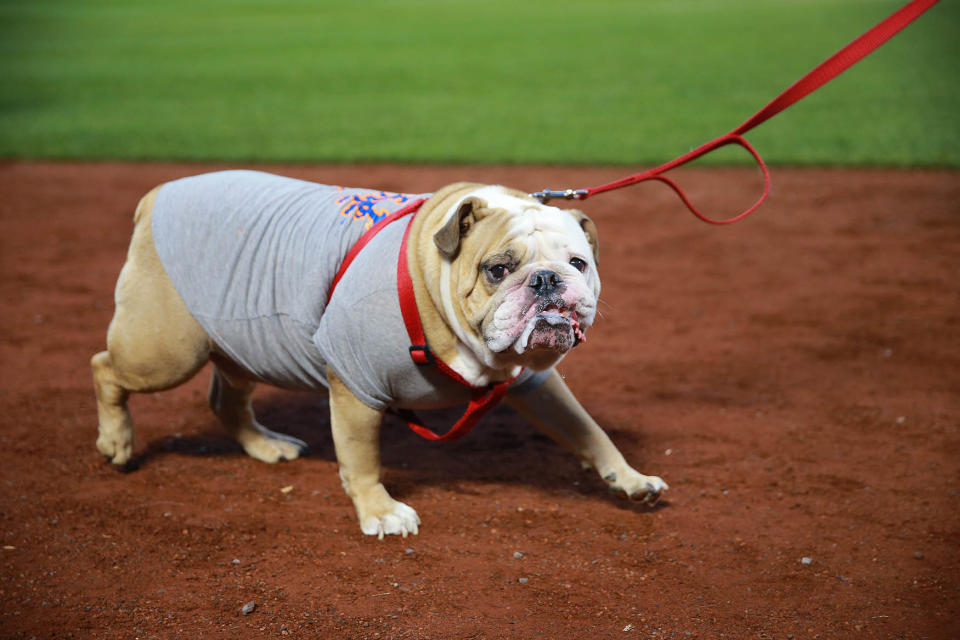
(521, 275)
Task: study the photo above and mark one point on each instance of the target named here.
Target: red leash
(822, 74)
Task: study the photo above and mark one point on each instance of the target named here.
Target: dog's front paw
(381, 515)
(401, 519)
(636, 486)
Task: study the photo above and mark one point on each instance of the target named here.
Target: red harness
(482, 399)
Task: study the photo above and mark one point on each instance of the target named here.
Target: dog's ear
(589, 230)
(448, 237)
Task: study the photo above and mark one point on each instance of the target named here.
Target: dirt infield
(795, 378)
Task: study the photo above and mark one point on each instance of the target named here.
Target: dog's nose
(545, 282)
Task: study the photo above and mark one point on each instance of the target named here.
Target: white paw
(117, 447)
(636, 486)
(401, 519)
(269, 446)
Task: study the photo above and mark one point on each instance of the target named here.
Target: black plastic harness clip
(421, 354)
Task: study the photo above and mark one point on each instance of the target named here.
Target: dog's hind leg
(115, 440)
(153, 342)
(230, 399)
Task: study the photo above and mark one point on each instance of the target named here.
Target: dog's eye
(578, 264)
(498, 272)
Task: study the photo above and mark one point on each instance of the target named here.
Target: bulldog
(237, 268)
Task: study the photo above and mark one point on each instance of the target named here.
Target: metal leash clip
(566, 194)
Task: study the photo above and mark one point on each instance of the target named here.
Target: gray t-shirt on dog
(253, 256)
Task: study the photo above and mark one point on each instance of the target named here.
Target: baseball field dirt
(795, 378)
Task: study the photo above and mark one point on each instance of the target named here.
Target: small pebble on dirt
(235, 561)
(523, 580)
(408, 551)
(918, 555)
(517, 554)
(806, 560)
(248, 608)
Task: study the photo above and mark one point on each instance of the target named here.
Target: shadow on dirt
(503, 448)
(207, 445)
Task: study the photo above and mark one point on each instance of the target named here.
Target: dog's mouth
(553, 327)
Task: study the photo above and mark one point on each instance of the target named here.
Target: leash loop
(713, 145)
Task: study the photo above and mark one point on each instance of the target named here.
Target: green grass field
(606, 81)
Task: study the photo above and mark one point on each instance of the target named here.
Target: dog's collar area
(482, 399)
